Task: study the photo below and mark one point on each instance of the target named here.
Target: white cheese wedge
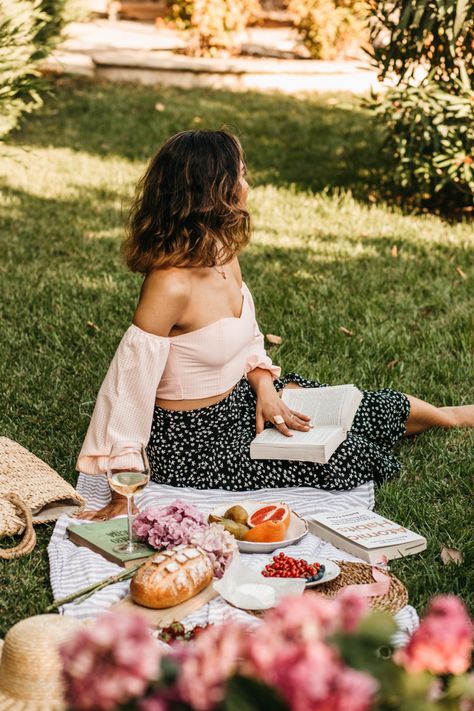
(254, 595)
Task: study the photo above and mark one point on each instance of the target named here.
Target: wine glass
(128, 472)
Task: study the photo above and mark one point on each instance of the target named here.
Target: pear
(237, 513)
(238, 530)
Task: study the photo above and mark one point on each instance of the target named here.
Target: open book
(332, 410)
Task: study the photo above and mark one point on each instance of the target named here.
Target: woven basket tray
(356, 573)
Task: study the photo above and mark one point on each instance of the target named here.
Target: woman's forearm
(260, 380)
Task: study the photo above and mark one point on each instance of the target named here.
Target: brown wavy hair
(187, 211)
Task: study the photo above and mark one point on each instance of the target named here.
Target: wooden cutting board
(163, 618)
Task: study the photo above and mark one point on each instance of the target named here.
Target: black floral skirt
(209, 448)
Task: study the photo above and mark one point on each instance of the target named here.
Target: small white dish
(331, 571)
(297, 529)
(238, 576)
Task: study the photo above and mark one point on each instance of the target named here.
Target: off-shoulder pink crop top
(195, 365)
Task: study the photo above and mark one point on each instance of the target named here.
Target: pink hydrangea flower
(169, 525)
(309, 675)
(443, 642)
(352, 608)
(109, 663)
(154, 703)
(306, 618)
(352, 691)
(207, 663)
(289, 652)
(219, 545)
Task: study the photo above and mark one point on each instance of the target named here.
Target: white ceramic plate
(332, 570)
(296, 530)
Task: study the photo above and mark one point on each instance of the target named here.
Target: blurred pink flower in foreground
(153, 703)
(109, 663)
(207, 663)
(352, 608)
(313, 617)
(443, 642)
(289, 653)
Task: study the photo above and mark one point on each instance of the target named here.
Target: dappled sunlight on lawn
(358, 292)
(310, 141)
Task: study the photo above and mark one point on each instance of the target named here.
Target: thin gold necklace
(221, 272)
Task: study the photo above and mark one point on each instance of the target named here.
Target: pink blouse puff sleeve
(256, 356)
(126, 399)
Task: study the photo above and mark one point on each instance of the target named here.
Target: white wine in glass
(128, 472)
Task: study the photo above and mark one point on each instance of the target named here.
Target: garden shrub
(28, 32)
(436, 34)
(428, 116)
(430, 133)
(211, 24)
(329, 28)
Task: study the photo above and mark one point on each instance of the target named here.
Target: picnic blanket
(74, 567)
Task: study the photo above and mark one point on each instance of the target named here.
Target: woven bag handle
(28, 541)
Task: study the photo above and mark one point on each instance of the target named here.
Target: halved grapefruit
(278, 513)
(266, 532)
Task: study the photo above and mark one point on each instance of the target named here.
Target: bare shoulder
(235, 267)
(164, 296)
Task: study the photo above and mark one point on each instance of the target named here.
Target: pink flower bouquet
(308, 654)
(170, 525)
(179, 522)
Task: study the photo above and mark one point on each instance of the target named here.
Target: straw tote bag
(30, 492)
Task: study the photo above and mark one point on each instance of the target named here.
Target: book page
(325, 406)
(318, 435)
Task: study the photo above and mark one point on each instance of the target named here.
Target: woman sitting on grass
(191, 377)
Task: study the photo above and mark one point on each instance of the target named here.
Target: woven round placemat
(357, 573)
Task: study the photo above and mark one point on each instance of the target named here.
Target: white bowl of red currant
(284, 566)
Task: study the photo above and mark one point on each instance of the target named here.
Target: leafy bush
(430, 133)
(428, 122)
(328, 28)
(28, 31)
(436, 34)
(211, 24)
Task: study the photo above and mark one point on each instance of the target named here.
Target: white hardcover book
(366, 535)
(331, 409)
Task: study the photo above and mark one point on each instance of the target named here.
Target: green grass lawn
(321, 258)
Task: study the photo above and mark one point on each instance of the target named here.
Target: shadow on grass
(52, 361)
(312, 142)
(67, 299)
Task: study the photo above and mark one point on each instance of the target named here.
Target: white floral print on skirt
(209, 448)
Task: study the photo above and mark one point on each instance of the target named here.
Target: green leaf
(462, 7)
(248, 694)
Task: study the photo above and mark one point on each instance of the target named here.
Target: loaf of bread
(171, 577)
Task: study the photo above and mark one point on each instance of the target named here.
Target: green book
(102, 536)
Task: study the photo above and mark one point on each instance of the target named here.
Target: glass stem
(130, 520)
